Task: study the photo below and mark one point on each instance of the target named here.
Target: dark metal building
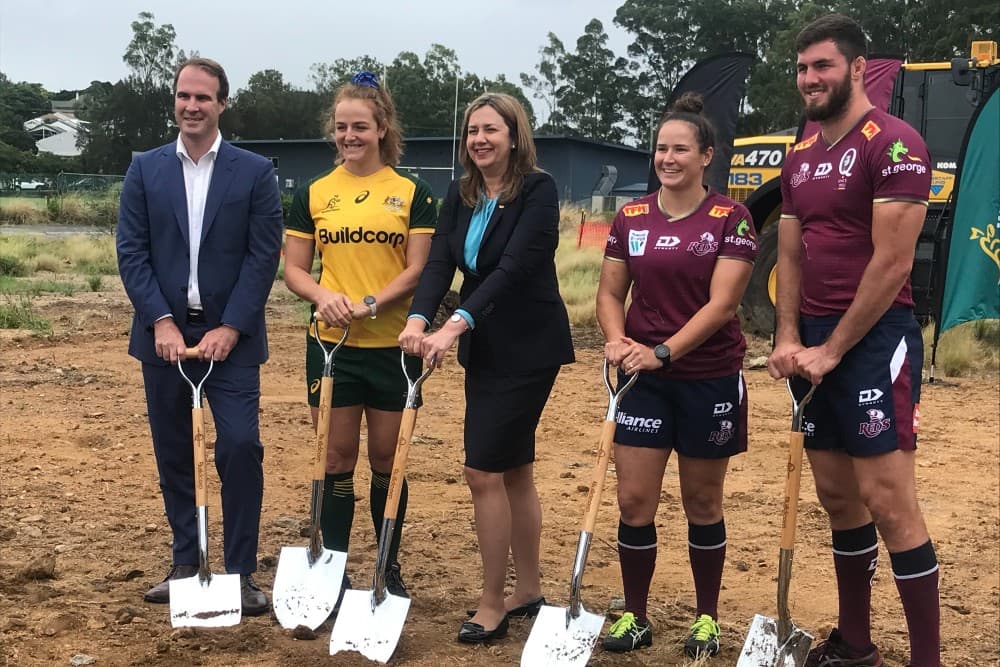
(581, 167)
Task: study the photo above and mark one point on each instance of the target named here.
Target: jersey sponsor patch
(635, 210)
(870, 129)
(637, 242)
(720, 211)
(805, 143)
(361, 235)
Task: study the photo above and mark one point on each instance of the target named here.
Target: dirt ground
(78, 484)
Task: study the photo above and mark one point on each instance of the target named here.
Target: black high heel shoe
(526, 610)
(474, 633)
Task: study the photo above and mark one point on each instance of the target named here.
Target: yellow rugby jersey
(360, 225)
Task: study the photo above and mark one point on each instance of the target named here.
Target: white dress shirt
(197, 179)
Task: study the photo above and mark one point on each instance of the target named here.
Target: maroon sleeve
(615, 247)
(738, 239)
(899, 164)
(786, 192)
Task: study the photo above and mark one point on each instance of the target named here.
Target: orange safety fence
(593, 234)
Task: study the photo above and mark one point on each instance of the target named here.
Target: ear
(858, 68)
(709, 154)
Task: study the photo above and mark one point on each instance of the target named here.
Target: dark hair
(208, 66)
(688, 108)
(365, 86)
(842, 30)
(523, 158)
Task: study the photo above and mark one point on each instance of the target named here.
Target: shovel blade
(373, 634)
(764, 649)
(304, 593)
(553, 643)
(214, 603)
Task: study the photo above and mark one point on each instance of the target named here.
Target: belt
(195, 316)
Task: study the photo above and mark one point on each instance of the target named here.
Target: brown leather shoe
(160, 593)
(253, 599)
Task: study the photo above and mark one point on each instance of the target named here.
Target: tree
(591, 100)
(546, 85)
(270, 108)
(20, 102)
(327, 77)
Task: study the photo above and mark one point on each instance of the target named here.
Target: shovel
(205, 600)
(779, 643)
(566, 637)
(308, 579)
(370, 622)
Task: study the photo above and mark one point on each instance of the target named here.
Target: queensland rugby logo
(877, 423)
(801, 176)
(706, 245)
(724, 434)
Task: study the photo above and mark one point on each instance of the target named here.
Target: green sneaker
(627, 634)
(704, 638)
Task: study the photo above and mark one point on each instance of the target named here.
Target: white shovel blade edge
(762, 648)
(216, 604)
(305, 594)
(372, 634)
(552, 643)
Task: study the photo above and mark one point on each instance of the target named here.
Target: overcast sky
(66, 44)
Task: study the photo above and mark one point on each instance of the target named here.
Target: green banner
(972, 282)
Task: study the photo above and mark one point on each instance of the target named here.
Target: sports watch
(662, 352)
(370, 302)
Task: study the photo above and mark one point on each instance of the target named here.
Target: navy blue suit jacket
(238, 257)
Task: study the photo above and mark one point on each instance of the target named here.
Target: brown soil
(79, 485)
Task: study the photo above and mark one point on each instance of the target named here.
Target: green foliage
(270, 108)
(94, 283)
(36, 287)
(18, 314)
(12, 266)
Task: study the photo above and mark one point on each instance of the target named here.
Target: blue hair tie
(366, 79)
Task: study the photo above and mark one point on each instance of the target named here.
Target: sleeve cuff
(467, 317)
(419, 317)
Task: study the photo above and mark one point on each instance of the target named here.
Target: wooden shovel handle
(792, 481)
(200, 464)
(322, 428)
(600, 474)
(191, 353)
(399, 462)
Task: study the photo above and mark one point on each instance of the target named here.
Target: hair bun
(689, 103)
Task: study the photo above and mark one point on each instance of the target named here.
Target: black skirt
(501, 415)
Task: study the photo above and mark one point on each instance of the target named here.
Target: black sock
(379, 493)
(338, 510)
(707, 552)
(637, 556)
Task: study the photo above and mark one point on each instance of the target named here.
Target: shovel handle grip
(322, 428)
(406, 426)
(191, 353)
(792, 482)
(200, 460)
(600, 474)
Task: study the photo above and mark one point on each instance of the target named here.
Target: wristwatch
(662, 352)
(455, 317)
(370, 302)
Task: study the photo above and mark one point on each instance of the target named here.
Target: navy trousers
(233, 393)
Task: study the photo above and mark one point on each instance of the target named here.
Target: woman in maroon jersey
(687, 253)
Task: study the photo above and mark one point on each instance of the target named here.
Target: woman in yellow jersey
(371, 225)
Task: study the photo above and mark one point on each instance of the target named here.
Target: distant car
(32, 185)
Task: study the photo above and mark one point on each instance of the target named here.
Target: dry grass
(579, 271)
(22, 211)
(88, 255)
(972, 348)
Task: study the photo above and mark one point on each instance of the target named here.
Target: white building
(56, 133)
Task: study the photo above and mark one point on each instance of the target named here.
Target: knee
(634, 507)
(480, 481)
(379, 463)
(890, 508)
(703, 507)
(835, 501)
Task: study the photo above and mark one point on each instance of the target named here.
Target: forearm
(301, 283)
(880, 284)
(611, 316)
(788, 300)
(706, 321)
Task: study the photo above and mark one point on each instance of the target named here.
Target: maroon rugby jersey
(831, 189)
(670, 262)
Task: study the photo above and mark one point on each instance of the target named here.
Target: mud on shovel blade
(204, 600)
(779, 643)
(565, 637)
(308, 579)
(370, 622)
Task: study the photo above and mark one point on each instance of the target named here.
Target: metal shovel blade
(304, 593)
(553, 642)
(763, 648)
(372, 632)
(212, 602)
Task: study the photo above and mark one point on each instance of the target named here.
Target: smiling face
(196, 105)
(357, 136)
(826, 80)
(679, 163)
(488, 141)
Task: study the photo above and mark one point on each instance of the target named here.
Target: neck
(835, 128)
(681, 202)
(493, 185)
(197, 147)
(363, 169)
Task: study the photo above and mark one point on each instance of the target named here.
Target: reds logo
(801, 176)
(724, 434)
(706, 245)
(877, 422)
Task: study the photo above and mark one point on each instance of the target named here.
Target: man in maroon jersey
(854, 199)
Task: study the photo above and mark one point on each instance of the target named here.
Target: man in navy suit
(199, 236)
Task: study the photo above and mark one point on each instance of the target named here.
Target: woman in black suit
(500, 226)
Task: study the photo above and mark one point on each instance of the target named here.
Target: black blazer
(521, 321)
